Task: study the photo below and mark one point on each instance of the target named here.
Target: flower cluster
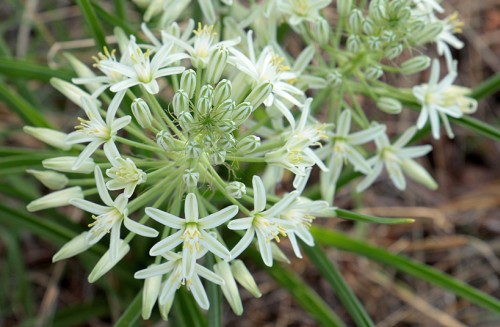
(197, 119)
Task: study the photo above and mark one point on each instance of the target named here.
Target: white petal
(215, 246)
(88, 206)
(167, 244)
(155, 270)
(139, 229)
(243, 243)
(241, 223)
(101, 187)
(191, 208)
(165, 218)
(219, 217)
(259, 194)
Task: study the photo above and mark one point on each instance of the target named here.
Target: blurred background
(457, 228)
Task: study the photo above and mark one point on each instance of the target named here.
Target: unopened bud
(344, 7)
(56, 199)
(180, 102)
(321, 31)
(222, 92)
(106, 262)
(259, 94)
(428, 33)
(71, 91)
(374, 72)
(225, 109)
(389, 105)
(75, 246)
(393, 51)
(241, 112)
(377, 9)
(206, 91)
(152, 287)
(165, 141)
(216, 64)
(48, 136)
(368, 26)
(65, 165)
(193, 150)
(244, 277)
(188, 82)
(248, 144)
(186, 120)
(218, 157)
(236, 189)
(334, 77)
(204, 106)
(229, 288)
(190, 178)
(355, 21)
(51, 179)
(374, 42)
(141, 112)
(415, 65)
(353, 43)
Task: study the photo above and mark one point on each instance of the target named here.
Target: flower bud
(321, 31)
(377, 9)
(152, 287)
(75, 246)
(248, 144)
(190, 178)
(165, 141)
(50, 179)
(374, 72)
(222, 92)
(218, 157)
(188, 82)
(206, 91)
(374, 42)
(388, 36)
(225, 110)
(344, 7)
(393, 51)
(428, 33)
(204, 106)
(418, 173)
(48, 136)
(180, 102)
(55, 199)
(105, 264)
(415, 65)
(368, 26)
(186, 120)
(141, 112)
(259, 94)
(71, 91)
(334, 77)
(193, 150)
(244, 277)
(353, 43)
(229, 288)
(82, 71)
(236, 189)
(216, 64)
(65, 165)
(226, 126)
(241, 113)
(165, 306)
(355, 21)
(389, 105)
(278, 255)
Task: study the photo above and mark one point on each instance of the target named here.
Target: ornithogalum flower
(192, 232)
(124, 175)
(109, 218)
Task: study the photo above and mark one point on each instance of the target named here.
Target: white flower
(447, 38)
(263, 223)
(343, 150)
(438, 99)
(199, 47)
(141, 69)
(397, 158)
(302, 10)
(96, 130)
(269, 67)
(109, 218)
(192, 232)
(175, 267)
(301, 213)
(125, 175)
(296, 154)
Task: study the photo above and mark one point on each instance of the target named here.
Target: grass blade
(341, 241)
(215, 298)
(346, 214)
(330, 272)
(132, 313)
(18, 68)
(478, 126)
(93, 23)
(486, 88)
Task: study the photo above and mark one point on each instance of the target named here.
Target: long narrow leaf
(346, 214)
(488, 87)
(92, 22)
(341, 241)
(215, 298)
(330, 272)
(20, 68)
(111, 19)
(132, 313)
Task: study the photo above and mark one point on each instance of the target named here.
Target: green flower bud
(152, 287)
(374, 42)
(55, 199)
(368, 26)
(222, 92)
(48, 136)
(428, 33)
(190, 178)
(374, 72)
(418, 173)
(180, 102)
(321, 31)
(204, 106)
(216, 64)
(188, 82)
(259, 94)
(244, 277)
(105, 264)
(165, 141)
(353, 43)
(388, 36)
(248, 144)
(415, 65)
(75, 246)
(206, 91)
(142, 113)
(241, 113)
(218, 157)
(334, 77)
(236, 189)
(65, 165)
(71, 91)
(344, 7)
(50, 179)
(389, 105)
(225, 110)
(393, 51)
(229, 288)
(355, 21)
(377, 9)
(186, 120)
(193, 150)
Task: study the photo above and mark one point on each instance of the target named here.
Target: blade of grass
(215, 297)
(131, 315)
(21, 68)
(93, 23)
(330, 272)
(478, 126)
(343, 242)
(486, 88)
(113, 20)
(187, 311)
(346, 214)
(21, 107)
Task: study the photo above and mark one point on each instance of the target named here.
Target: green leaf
(343, 242)
(92, 22)
(215, 297)
(187, 312)
(478, 126)
(132, 313)
(346, 214)
(21, 68)
(23, 108)
(330, 272)
(486, 88)
(113, 20)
